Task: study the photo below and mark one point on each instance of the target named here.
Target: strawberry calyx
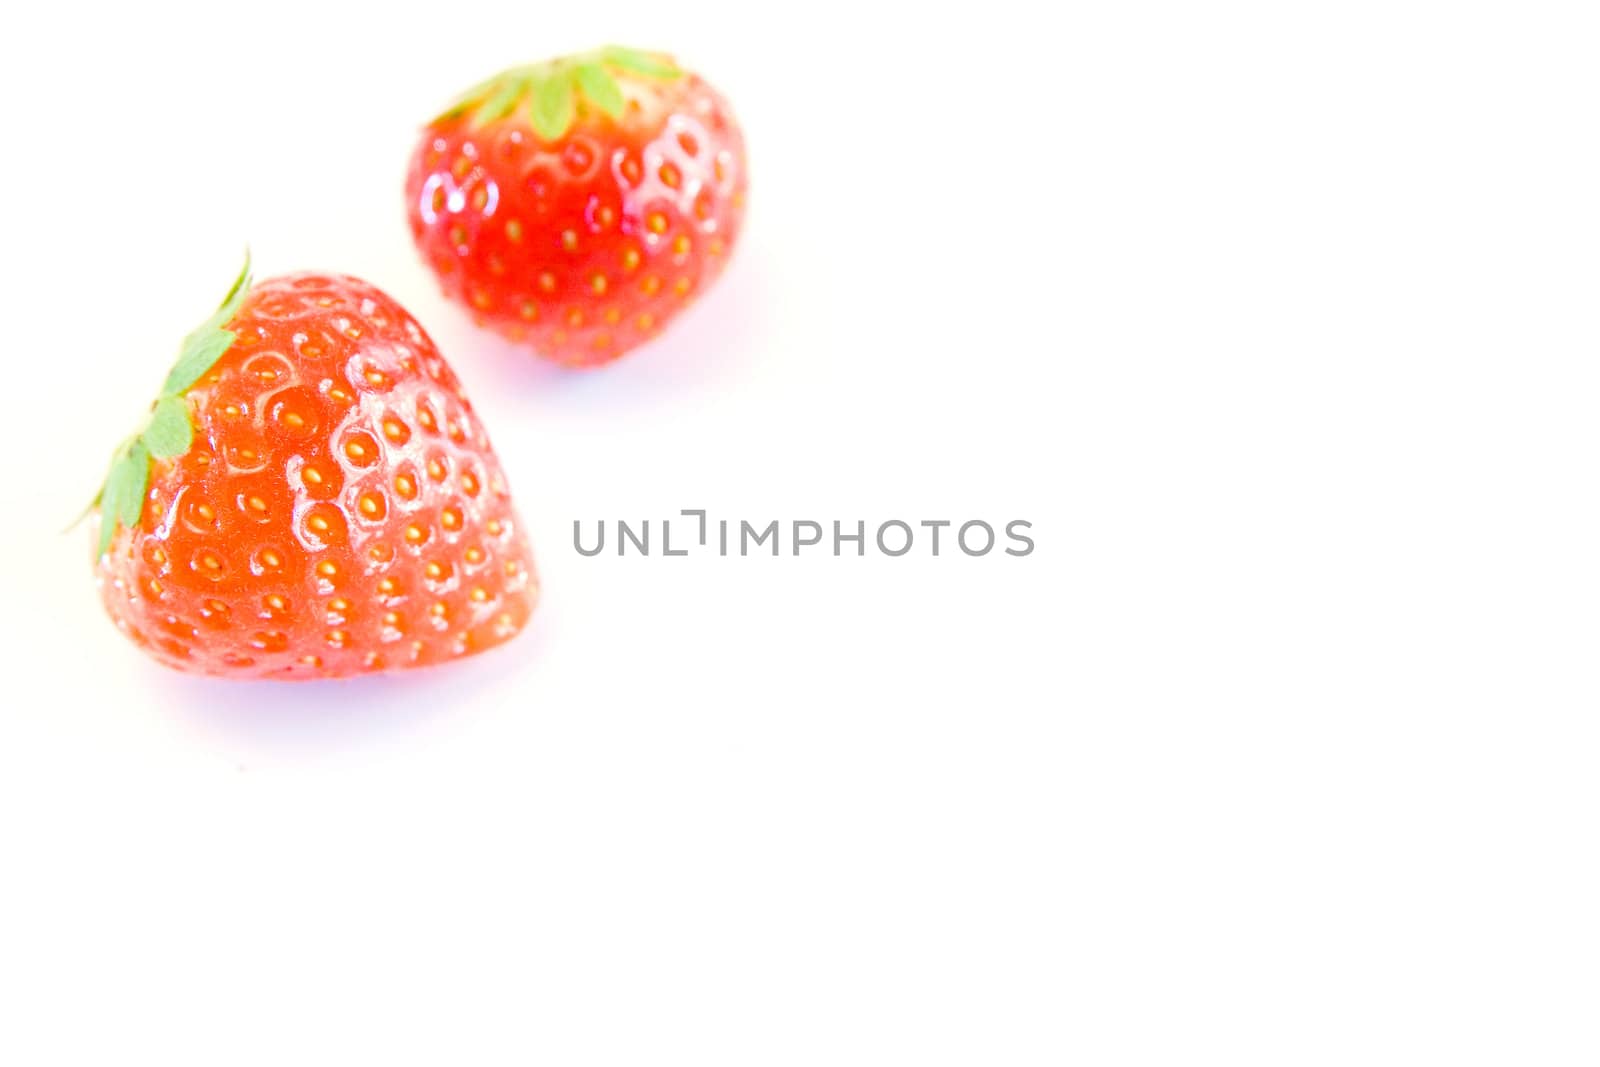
(168, 432)
(551, 90)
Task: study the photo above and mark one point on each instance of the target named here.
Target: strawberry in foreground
(579, 204)
(312, 497)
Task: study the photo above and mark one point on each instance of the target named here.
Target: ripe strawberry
(312, 497)
(579, 204)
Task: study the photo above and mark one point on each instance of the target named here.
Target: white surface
(1277, 321)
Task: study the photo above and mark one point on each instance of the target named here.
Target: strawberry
(312, 497)
(580, 204)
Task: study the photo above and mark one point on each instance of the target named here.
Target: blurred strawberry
(581, 203)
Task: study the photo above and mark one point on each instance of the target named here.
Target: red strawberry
(312, 497)
(579, 204)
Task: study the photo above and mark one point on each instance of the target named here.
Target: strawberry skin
(579, 205)
(337, 510)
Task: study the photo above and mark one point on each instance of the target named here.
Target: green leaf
(599, 86)
(200, 353)
(228, 308)
(88, 509)
(170, 433)
(651, 64)
(207, 342)
(138, 464)
(466, 99)
(502, 100)
(122, 499)
(553, 105)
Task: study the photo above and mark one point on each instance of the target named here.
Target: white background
(1276, 320)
